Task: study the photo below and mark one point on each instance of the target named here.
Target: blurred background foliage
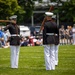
(24, 9)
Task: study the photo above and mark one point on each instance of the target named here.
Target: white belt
(49, 33)
(15, 35)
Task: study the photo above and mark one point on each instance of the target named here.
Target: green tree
(28, 7)
(67, 10)
(8, 8)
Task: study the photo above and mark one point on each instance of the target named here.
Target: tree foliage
(28, 7)
(66, 11)
(24, 9)
(8, 8)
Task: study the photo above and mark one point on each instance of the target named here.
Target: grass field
(31, 61)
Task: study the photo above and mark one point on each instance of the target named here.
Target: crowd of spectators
(3, 38)
(32, 41)
(67, 36)
(25, 41)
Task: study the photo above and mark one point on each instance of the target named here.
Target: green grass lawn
(31, 61)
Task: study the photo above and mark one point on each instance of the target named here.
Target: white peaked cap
(49, 13)
(13, 17)
(54, 16)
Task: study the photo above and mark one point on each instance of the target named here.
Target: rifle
(42, 25)
(5, 21)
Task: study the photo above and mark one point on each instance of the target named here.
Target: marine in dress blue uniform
(14, 41)
(50, 39)
(56, 39)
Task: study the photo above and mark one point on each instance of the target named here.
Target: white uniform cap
(73, 25)
(49, 13)
(13, 17)
(54, 16)
(31, 37)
